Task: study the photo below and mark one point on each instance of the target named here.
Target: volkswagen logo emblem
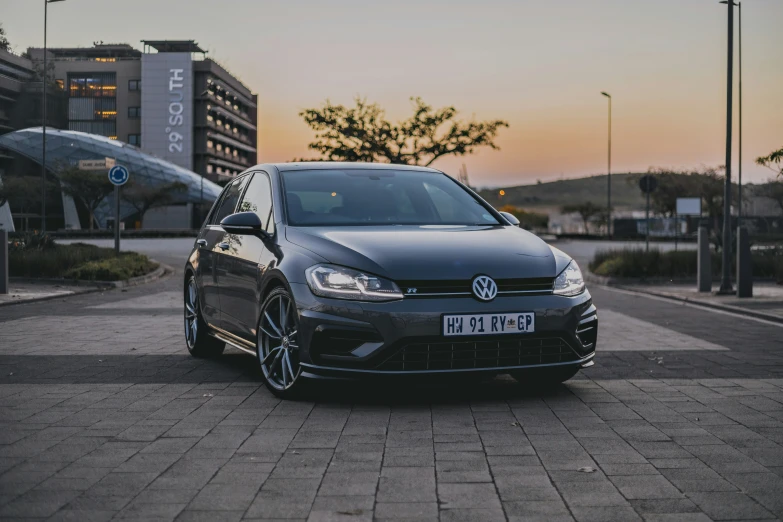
(484, 288)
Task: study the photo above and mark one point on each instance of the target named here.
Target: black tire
(545, 377)
(197, 338)
(279, 364)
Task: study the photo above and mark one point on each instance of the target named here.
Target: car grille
(461, 287)
(463, 355)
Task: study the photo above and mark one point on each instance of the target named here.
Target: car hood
(431, 252)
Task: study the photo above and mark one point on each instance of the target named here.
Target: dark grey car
(343, 269)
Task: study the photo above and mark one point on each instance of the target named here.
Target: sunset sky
(540, 65)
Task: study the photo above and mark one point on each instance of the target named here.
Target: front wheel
(277, 346)
(197, 338)
(544, 377)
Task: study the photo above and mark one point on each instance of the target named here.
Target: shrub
(38, 256)
(676, 264)
(54, 261)
(119, 268)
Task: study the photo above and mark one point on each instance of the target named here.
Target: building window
(209, 169)
(92, 103)
(134, 85)
(134, 112)
(210, 144)
(134, 139)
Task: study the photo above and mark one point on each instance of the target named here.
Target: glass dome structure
(68, 147)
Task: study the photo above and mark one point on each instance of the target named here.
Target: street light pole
(43, 127)
(609, 173)
(43, 122)
(725, 282)
(739, 173)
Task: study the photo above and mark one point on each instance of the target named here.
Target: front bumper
(344, 338)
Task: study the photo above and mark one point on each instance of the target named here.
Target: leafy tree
(23, 192)
(586, 211)
(144, 197)
(773, 161)
(672, 184)
(707, 183)
(772, 189)
(5, 45)
(362, 133)
(90, 188)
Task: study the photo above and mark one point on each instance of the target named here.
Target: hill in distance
(555, 194)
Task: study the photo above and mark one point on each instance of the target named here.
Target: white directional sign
(99, 164)
(689, 206)
(118, 175)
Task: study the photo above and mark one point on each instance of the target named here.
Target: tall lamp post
(725, 281)
(739, 170)
(609, 173)
(43, 122)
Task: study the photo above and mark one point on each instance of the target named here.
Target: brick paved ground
(103, 415)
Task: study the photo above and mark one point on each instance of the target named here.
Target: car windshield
(379, 197)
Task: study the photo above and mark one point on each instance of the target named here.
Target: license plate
(489, 324)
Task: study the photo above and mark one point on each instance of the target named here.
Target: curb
(628, 286)
(95, 286)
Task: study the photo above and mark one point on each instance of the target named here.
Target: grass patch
(39, 257)
(636, 263)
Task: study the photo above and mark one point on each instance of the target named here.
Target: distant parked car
(339, 269)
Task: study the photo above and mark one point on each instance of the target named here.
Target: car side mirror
(244, 223)
(511, 218)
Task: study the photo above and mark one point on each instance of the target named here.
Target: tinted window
(379, 197)
(258, 199)
(230, 199)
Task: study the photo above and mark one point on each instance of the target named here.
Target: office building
(170, 100)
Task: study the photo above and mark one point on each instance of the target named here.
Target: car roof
(324, 165)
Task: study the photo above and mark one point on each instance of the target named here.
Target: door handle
(201, 242)
(223, 246)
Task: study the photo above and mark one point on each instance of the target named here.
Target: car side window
(258, 199)
(230, 200)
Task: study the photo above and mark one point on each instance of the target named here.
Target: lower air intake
(464, 355)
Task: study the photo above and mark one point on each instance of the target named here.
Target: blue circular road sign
(118, 175)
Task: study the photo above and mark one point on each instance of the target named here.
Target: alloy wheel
(191, 314)
(278, 349)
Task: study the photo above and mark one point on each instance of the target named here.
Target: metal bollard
(744, 264)
(4, 262)
(704, 266)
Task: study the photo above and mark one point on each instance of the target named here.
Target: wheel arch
(272, 281)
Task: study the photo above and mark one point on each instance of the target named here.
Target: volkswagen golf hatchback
(342, 269)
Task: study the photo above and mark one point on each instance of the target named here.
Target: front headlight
(344, 283)
(570, 281)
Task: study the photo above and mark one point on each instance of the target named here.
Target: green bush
(53, 262)
(37, 256)
(675, 264)
(125, 266)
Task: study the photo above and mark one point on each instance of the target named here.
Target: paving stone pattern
(104, 416)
